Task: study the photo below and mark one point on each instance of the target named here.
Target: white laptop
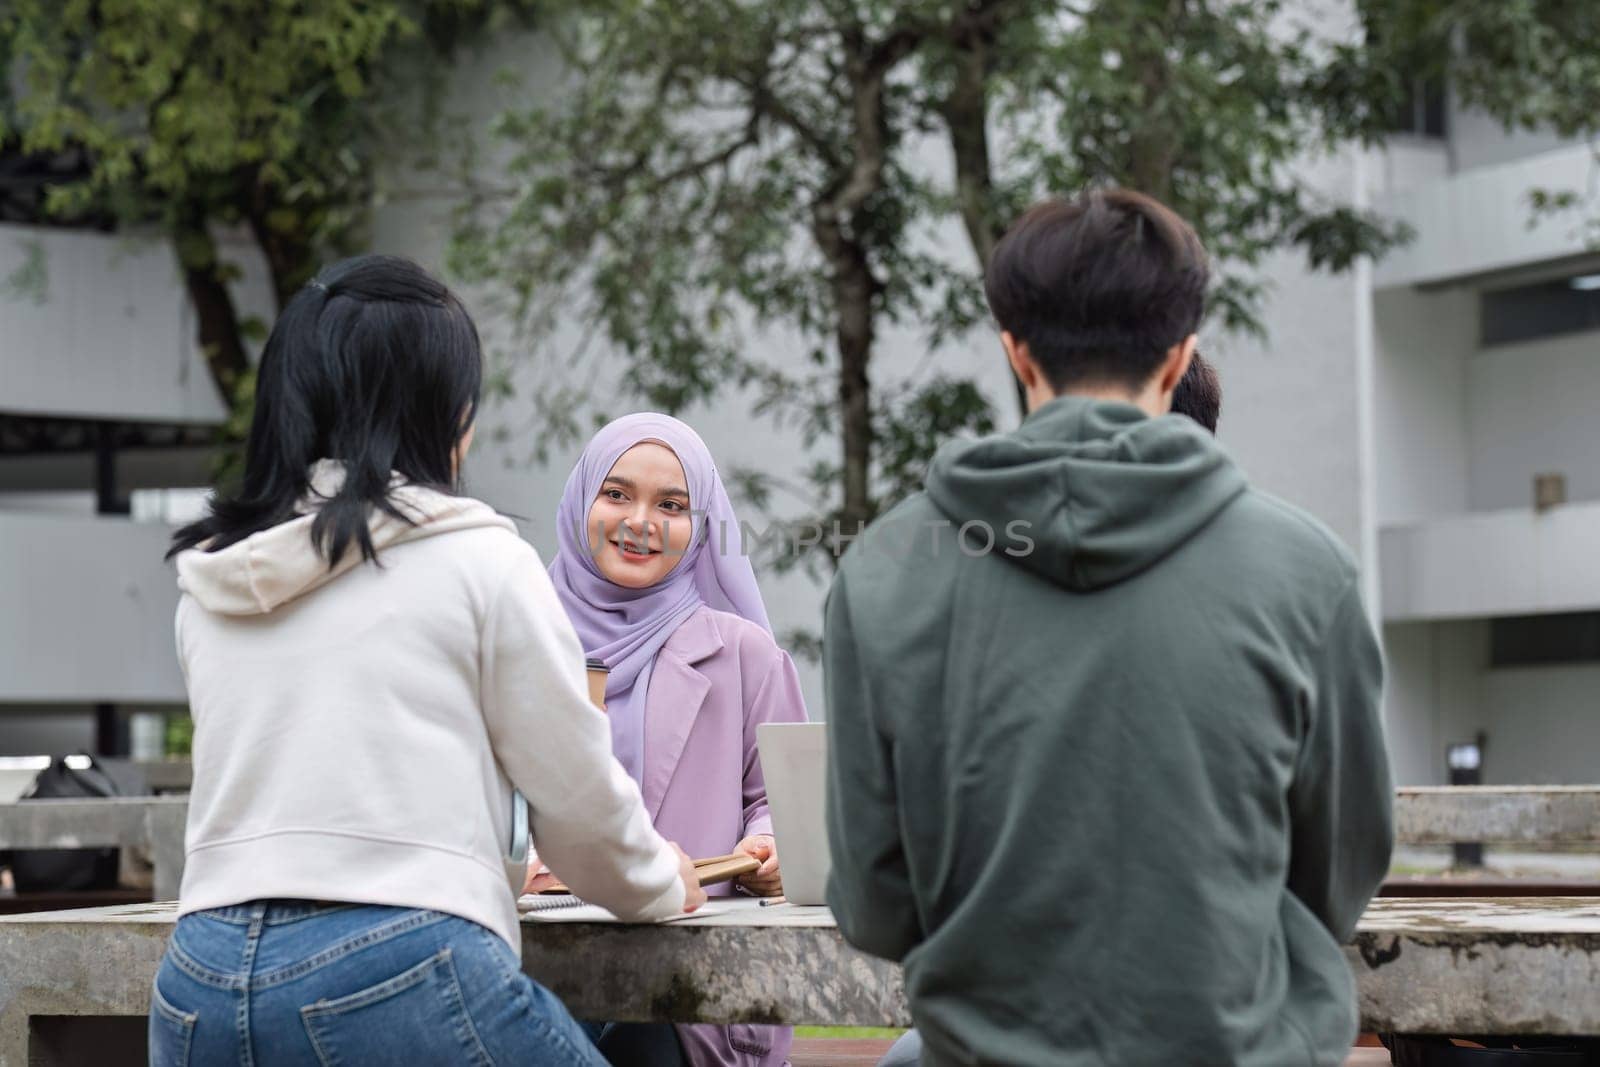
(794, 760)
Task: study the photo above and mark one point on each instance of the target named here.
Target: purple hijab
(627, 627)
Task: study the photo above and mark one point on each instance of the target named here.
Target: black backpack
(68, 869)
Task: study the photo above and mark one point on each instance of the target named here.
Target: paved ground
(848, 1052)
(837, 1052)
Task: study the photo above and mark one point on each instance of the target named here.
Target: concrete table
(1519, 965)
(1500, 967)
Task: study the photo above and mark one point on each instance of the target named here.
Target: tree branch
(868, 75)
(767, 103)
(721, 158)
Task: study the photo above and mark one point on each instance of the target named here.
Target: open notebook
(557, 904)
(569, 909)
(711, 871)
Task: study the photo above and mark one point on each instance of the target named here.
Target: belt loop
(258, 917)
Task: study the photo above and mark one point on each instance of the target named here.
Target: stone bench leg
(64, 992)
(164, 829)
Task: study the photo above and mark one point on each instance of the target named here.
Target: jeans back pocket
(418, 1016)
(171, 1031)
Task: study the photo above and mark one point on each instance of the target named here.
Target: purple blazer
(714, 680)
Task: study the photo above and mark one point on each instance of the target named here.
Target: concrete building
(1411, 404)
(105, 407)
(1484, 342)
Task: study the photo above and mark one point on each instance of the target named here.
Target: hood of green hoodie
(1106, 490)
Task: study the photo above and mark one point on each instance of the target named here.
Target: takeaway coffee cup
(598, 672)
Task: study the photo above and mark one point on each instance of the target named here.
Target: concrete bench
(155, 823)
(1453, 967)
(1535, 817)
(1500, 815)
(1494, 814)
(1422, 966)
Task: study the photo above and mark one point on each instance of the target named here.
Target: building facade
(1433, 408)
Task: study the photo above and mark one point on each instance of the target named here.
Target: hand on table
(539, 878)
(767, 882)
(693, 895)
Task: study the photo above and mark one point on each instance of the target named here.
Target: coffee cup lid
(596, 665)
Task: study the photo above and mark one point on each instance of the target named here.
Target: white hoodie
(358, 730)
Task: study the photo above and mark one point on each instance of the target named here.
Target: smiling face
(642, 515)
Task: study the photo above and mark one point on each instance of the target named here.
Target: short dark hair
(1100, 287)
(376, 364)
(1199, 394)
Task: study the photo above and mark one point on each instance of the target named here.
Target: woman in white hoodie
(373, 663)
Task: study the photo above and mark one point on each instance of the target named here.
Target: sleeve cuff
(666, 905)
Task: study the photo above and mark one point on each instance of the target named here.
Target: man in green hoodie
(1107, 770)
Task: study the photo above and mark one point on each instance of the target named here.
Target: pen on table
(767, 902)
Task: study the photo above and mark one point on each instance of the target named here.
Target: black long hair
(375, 364)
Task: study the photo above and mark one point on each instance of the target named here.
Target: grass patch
(866, 1032)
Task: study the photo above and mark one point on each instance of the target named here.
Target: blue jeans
(299, 982)
(905, 1052)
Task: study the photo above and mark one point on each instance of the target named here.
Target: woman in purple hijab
(652, 570)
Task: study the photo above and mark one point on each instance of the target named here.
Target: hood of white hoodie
(277, 565)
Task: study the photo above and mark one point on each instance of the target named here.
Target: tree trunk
(839, 219)
(221, 343)
(1152, 149)
(966, 116)
(289, 257)
(853, 288)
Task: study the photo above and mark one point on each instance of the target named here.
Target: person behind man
(1199, 393)
(1107, 772)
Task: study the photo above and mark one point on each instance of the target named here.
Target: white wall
(1531, 409)
(1463, 428)
(106, 332)
(1487, 563)
(1408, 701)
(86, 608)
(1353, 406)
(1542, 723)
(1431, 694)
(1422, 343)
(49, 502)
(1404, 162)
(1292, 407)
(1479, 140)
(1478, 221)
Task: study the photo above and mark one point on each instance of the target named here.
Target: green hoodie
(1114, 790)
